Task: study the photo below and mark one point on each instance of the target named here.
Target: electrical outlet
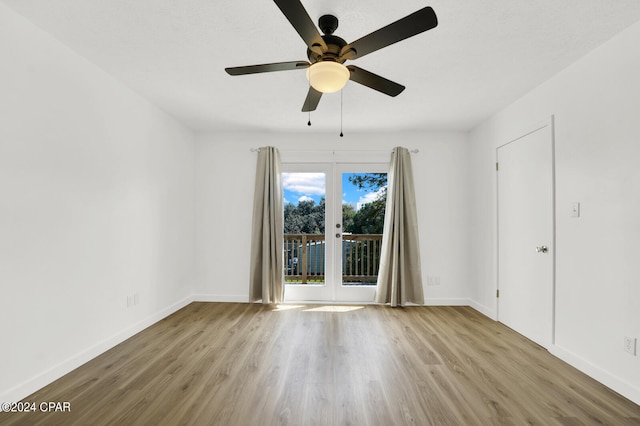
(630, 345)
(433, 280)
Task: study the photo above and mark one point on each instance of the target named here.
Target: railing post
(304, 259)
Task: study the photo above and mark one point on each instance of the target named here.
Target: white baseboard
(243, 298)
(490, 313)
(230, 298)
(446, 302)
(615, 383)
(46, 377)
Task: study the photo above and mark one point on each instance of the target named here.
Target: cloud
(305, 198)
(304, 183)
(369, 197)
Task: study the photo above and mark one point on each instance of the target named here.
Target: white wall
(596, 105)
(96, 203)
(225, 180)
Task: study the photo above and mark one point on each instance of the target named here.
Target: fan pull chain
(309, 122)
(341, 134)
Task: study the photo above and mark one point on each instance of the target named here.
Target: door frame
(332, 291)
(547, 125)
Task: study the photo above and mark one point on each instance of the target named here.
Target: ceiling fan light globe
(327, 76)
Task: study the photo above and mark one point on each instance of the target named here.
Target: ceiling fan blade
(276, 66)
(295, 12)
(374, 81)
(416, 23)
(312, 100)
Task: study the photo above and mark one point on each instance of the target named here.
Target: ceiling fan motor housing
(328, 24)
(334, 45)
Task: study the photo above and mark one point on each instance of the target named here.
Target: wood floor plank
(249, 364)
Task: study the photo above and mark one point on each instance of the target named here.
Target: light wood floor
(246, 364)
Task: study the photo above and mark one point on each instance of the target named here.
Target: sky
(304, 186)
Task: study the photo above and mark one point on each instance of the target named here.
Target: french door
(334, 214)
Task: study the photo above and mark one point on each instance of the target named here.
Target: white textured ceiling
(482, 56)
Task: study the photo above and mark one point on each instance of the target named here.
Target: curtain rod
(413, 151)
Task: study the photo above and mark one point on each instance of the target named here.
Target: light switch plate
(575, 209)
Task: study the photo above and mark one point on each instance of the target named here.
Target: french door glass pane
(364, 197)
(304, 228)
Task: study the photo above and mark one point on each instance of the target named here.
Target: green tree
(369, 219)
(292, 220)
(305, 218)
(348, 213)
(370, 181)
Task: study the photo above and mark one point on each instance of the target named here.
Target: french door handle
(542, 249)
(338, 235)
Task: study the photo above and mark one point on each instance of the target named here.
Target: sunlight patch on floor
(287, 307)
(334, 308)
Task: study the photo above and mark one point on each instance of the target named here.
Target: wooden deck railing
(304, 258)
(361, 258)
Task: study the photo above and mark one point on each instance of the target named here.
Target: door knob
(542, 249)
(338, 235)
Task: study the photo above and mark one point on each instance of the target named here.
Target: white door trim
(547, 125)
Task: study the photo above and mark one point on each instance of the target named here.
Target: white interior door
(526, 235)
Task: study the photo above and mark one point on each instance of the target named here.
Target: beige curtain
(267, 274)
(400, 276)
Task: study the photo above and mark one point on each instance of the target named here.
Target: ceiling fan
(327, 53)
